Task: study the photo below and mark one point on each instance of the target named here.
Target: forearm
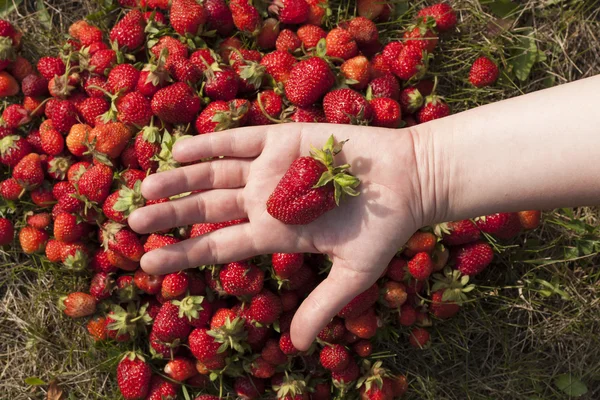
(537, 151)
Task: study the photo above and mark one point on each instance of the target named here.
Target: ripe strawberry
(13, 149)
(317, 11)
(110, 139)
(411, 99)
(434, 108)
(261, 369)
(421, 36)
(357, 72)
(121, 240)
(42, 196)
(530, 219)
(10, 189)
(219, 17)
(409, 63)
(174, 285)
(130, 177)
(458, 232)
(92, 108)
(133, 376)
(290, 11)
(442, 13)
(203, 346)
(421, 266)
(346, 106)
(203, 59)
(183, 70)
(156, 241)
(265, 308)
(394, 294)
(78, 304)
(222, 317)
(63, 115)
(419, 242)
(34, 85)
(286, 345)
(500, 225)
(363, 348)
(285, 265)
(180, 369)
(341, 44)
(161, 389)
(93, 81)
(484, 72)
(245, 16)
(311, 114)
(39, 221)
(419, 338)
(49, 67)
(28, 172)
(7, 232)
(15, 116)
(76, 140)
(360, 303)
(134, 109)
(95, 183)
(20, 68)
(222, 83)
(335, 357)
(217, 116)
(364, 31)
(309, 80)
(85, 32)
(287, 41)
(241, 279)
(248, 388)
(442, 309)
(267, 36)
(280, 64)
(176, 104)
(364, 325)
(129, 31)
(96, 327)
(471, 259)
(272, 354)
(374, 10)
(407, 316)
(334, 331)
(187, 17)
(53, 143)
(386, 113)
(310, 35)
(8, 85)
(347, 376)
(101, 286)
(67, 229)
(169, 326)
(122, 79)
(267, 104)
(150, 284)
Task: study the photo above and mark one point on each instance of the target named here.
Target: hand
(360, 236)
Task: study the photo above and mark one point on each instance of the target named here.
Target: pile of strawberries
(96, 119)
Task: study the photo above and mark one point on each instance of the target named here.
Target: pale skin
(538, 151)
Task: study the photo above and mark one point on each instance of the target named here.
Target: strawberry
(101, 286)
(409, 63)
(484, 72)
(169, 326)
(67, 229)
(272, 353)
(187, 17)
(421, 266)
(219, 116)
(530, 219)
(419, 338)
(133, 376)
(347, 376)
(317, 11)
(42, 196)
(471, 259)
(49, 67)
(360, 303)
(109, 139)
(308, 81)
(176, 104)
(245, 16)
(174, 285)
(341, 44)
(364, 325)
(394, 294)
(285, 265)
(53, 143)
(458, 232)
(308, 114)
(20, 68)
(183, 70)
(266, 108)
(92, 82)
(171, 47)
(268, 34)
(310, 35)
(203, 59)
(96, 327)
(129, 31)
(248, 388)
(150, 284)
(261, 369)
(8, 85)
(374, 10)
(286, 345)
(28, 172)
(156, 241)
(364, 348)
(10, 189)
(34, 85)
(13, 149)
(78, 304)
(15, 116)
(130, 177)
(290, 11)
(346, 106)
(147, 146)
(222, 83)
(333, 332)
(265, 308)
(386, 113)
(161, 389)
(122, 79)
(280, 64)
(286, 41)
(7, 232)
(153, 77)
(434, 108)
(357, 72)
(180, 369)
(134, 109)
(64, 116)
(241, 279)
(442, 308)
(39, 221)
(500, 225)
(364, 31)
(407, 315)
(196, 309)
(421, 36)
(335, 357)
(442, 13)
(95, 183)
(121, 240)
(85, 32)
(92, 108)
(419, 242)
(77, 138)
(302, 195)
(203, 346)
(219, 17)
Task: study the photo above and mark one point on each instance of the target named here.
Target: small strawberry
(187, 17)
(150, 284)
(309, 80)
(458, 232)
(13, 149)
(20, 68)
(219, 17)
(183, 70)
(311, 35)
(288, 41)
(484, 72)
(407, 315)
(374, 10)
(85, 32)
(180, 369)
(411, 99)
(279, 65)
(434, 108)
(101, 286)
(265, 109)
(133, 376)
(530, 219)
(261, 369)
(410, 63)
(222, 83)
(39, 221)
(347, 376)
(360, 303)
(346, 106)
(290, 11)
(364, 325)
(272, 353)
(42, 195)
(161, 389)
(219, 116)
(386, 113)
(471, 259)
(64, 115)
(78, 304)
(357, 72)
(53, 143)
(96, 327)
(364, 31)
(265, 308)
(176, 104)
(420, 266)
(267, 36)
(8, 85)
(442, 308)
(133, 109)
(335, 357)
(203, 346)
(333, 332)
(34, 85)
(147, 146)
(317, 11)
(379, 65)
(241, 279)
(303, 195)
(129, 31)
(28, 172)
(174, 285)
(419, 338)
(341, 44)
(364, 348)
(442, 13)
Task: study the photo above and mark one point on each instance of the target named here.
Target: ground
(533, 321)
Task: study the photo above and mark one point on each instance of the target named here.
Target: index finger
(241, 143)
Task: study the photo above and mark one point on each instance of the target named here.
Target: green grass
(534, 315)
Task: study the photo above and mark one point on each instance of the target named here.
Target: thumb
(341, 285)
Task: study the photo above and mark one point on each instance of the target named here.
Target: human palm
(360, 236)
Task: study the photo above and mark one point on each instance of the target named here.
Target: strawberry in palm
(311, 187)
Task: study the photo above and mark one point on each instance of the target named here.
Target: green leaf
(524, 55)
(502, 8)
(186, 395)
(43, 15)
(570, 385)
(8, 6)
(34, 381)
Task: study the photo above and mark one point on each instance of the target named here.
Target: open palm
(360, 236)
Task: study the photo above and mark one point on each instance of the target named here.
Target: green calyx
(7, 50)
(190, 306)
(343, 182)
(373, 374)
(291, 386)
(129, 199)
(455, 286)
(7, 143)
(232, 335)
(131, 321)
(77, 262)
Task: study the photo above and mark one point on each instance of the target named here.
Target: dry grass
(536, 311)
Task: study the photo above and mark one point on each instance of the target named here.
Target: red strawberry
(471, 259)
(272, 353)
(386, 113)
(161, 389)
(364, 325)
(219, 17)
(97, 328)
(129, 31)
(458, 232)
(434, 108)
(121, 240)
(85, 32)
(78, 304)
(92, 82)
(248, 388)
(241, 279)
(64, 116)
(308, 114)
(364, 31)
(347, 376)
(176, 104)
(267, 36)
(442, 13)
(357, 72)
(530, 219)
(341, 44)
(265, 308)
(134, 109)
(39, 221)
(421, 266)
(222, 83)
(53, 143)
(334, 331)
(34, 85)
(202, 229)
(363, 348)
(92, 108)
(180, 369)
(335, 357)
(360, 303)
(245, 16)
(122, 79)
(67, 229)
(101, 286)
(15, 116)
(203, 346)
(196, 310)
(285, 265)
(297, 201)
(133, 376)
(309, 80)
(267, 104)
(174, 285)
(407, 316)
(187, 17)
(484, 72)
(286, 345)
(421, 36)
(156, 241)
(13, 149)
(279, 65)
(150, 284)
(8, 85)
(346, 106)
(394, 294)
(409, 63)
(261, 369)
(95, 183)
(501, 225)
(49, 67)
(169, 326)
(441, 308)
(317, 11)
(183, 70)
(290, 11)
(147, 146)
(419, 338)
(28, 172)
(310, 35)
(419, 242)
(10, 189)
(286, 41)
(110, 139)
(42, 196)
(7, 232)
(374, 10)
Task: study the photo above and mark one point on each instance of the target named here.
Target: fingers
(217, 174)
(223, 246)
(211, 206)
(337, 290)
(242, 142)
